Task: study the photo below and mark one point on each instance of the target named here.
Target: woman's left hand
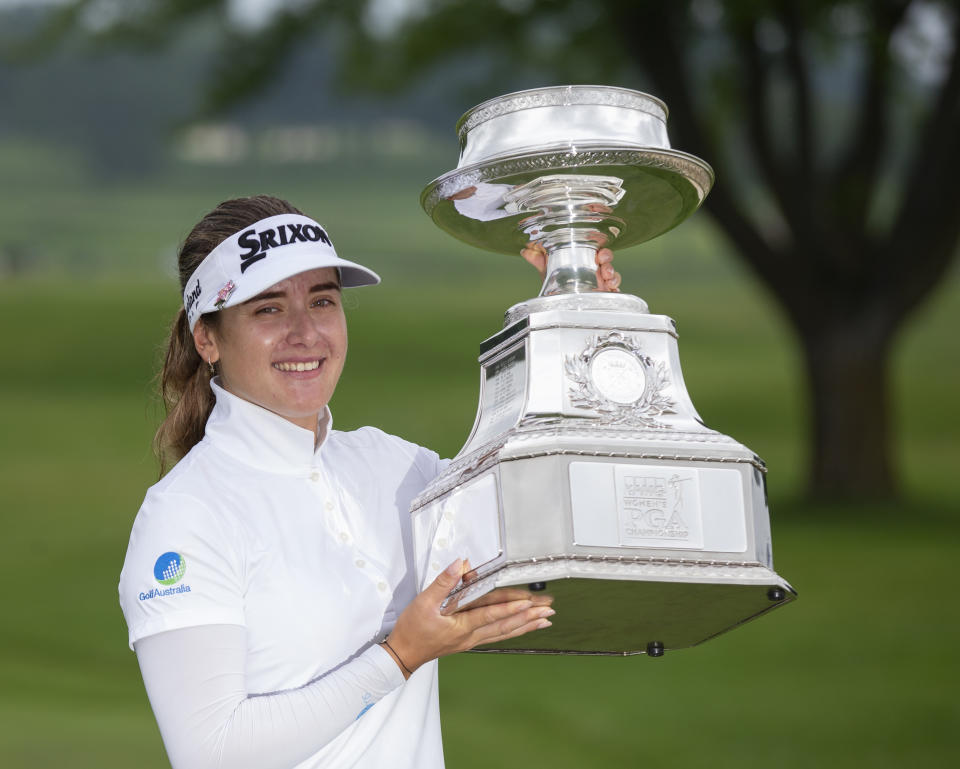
(608, 279)
(423, 632)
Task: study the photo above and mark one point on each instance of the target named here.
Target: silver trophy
(588, 472)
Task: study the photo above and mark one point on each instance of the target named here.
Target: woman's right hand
(423, 633)
(608, 279)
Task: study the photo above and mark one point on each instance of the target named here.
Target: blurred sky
(925, 43)
(255, 12)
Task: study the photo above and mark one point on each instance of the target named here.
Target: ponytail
(187, 397)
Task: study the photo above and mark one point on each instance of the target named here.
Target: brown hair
(184, 381)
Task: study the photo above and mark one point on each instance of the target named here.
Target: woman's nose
(303, 329)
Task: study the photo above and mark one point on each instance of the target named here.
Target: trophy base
(618, 608)
(589, 471)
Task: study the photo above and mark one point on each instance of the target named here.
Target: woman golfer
(268, 586)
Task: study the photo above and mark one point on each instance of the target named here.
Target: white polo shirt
(309, 549)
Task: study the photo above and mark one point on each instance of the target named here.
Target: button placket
(373, 572)
(336, 525)
(337, 522)
(443, 542)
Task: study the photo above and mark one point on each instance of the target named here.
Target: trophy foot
(585, 301)
(623, 603)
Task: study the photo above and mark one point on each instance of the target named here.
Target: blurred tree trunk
(848, 379)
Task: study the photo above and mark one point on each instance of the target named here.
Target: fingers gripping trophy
(588, 472)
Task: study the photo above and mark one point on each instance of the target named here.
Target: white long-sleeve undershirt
(195, 679)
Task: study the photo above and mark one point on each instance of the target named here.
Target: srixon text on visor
(257, 243)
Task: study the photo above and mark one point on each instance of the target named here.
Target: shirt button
(328, 504)
(314, 476)
(441, 542)
(382, 587)
(360, 563)
(344, 536)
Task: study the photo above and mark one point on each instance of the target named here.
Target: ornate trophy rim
(568, 159)
(560, 96)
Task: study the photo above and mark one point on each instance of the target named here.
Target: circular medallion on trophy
(618, 383)
(618, 375)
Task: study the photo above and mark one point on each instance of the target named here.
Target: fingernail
(547, 612)
(543, 623)
(545, 600)
(454, 568)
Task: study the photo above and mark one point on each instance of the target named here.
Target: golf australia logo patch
(168, 571)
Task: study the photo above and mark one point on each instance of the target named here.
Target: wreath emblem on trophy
(613, 378)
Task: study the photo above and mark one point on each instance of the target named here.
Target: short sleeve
(430, 463)
(184, 567)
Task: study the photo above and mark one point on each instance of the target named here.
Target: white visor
(260, 256)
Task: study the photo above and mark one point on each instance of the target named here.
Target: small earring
(212, 369)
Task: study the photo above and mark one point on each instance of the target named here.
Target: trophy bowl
(574, 168)
(588, 472)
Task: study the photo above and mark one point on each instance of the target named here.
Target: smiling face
(284, 349)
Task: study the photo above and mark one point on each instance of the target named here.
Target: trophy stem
(571, 216)
(571, 269)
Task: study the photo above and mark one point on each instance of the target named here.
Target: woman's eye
(323, 301)
(268, 310)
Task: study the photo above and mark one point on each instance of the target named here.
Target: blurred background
(817, 297)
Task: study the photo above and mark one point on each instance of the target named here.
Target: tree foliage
(832, 127)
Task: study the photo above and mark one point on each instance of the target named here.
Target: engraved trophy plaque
(588, 472)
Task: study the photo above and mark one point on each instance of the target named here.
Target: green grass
(856, 673)
(853, 674)
(860, 672)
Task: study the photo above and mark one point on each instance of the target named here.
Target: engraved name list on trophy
(588, 471)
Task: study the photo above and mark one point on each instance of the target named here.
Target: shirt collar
(258, 437)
